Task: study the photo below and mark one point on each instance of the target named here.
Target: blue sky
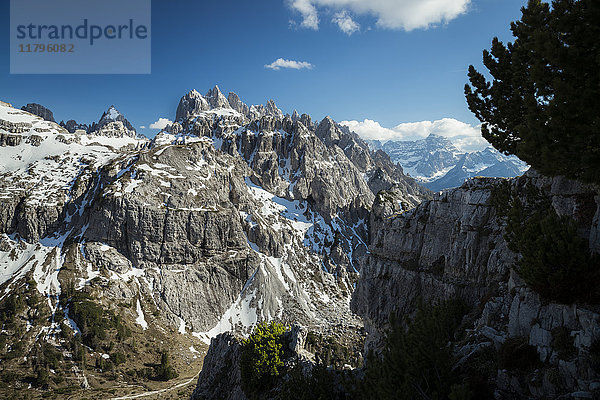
(384, 71)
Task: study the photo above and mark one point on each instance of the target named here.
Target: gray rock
(237, 104)
(216, 99)
(39, 110)
(113, 124)
(452, 246)
(191, 104)
(221, 377)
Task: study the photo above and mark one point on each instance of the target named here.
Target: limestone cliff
(453, 246)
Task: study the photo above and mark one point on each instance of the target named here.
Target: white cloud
(464, 136)
(345, 22)
(281, 63)
(310, 18)
(142, 126)
(390, 14)
(161, 123)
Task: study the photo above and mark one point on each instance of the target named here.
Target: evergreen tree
(164, 371)
(544, 100)
(556, 262)
(417, 360)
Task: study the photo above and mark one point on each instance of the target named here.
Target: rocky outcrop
(10, 140)
(71, 126)
(216, 99)
(221, 377)
(302, 349)
(449, 246)
(191, 104)
(39, 110)
(237, 104)
(295, 116)
(14, 127)
(453, 246)
(113, 124)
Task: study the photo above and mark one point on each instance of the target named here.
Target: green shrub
(42, 378)
(10, 307)
(17, 350)
(517, 354)
(328, 351)
(164, 371)
(50, 356)
(94, 321)
(261, 358)
(477, 371)
(8, 376)
(103, 364)
(118, 358)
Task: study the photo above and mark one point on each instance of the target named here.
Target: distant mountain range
(437, 164)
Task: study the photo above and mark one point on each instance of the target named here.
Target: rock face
(10, 140)
(446, 247)
(216, 99)
(39, 110)
(220, 377)
(453, 246)
(301, 175)
(191, 104)
(237, 104)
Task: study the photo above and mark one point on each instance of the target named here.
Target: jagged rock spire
(190, 104)
(237, 104)
(113, 115)
(216, 99)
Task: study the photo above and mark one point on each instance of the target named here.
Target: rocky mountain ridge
(220, 222)
(39, 110)
(111, 124)
(437, 164)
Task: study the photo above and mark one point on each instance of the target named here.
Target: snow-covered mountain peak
(113, 124)
(43, 159)
(111, 114)
(214, 103)
(272, 109)
(295, 116)
(438, 164)
(216, 99)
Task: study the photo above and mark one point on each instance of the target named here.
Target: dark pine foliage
(555, 260)
(165, 371)
(544, 100)
(417, 362)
